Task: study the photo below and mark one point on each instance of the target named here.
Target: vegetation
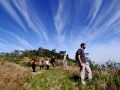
(13, 76)
(53, 79)
(15, 73)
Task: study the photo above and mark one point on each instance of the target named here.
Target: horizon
(62, 25)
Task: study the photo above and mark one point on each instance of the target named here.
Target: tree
(17, 52)
(40, 49)
(54, 50)
(61, 52)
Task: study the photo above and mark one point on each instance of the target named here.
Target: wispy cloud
(105, 12)
(61, 20)
(9, 47)
(74, 22)
(5, 46)
(20, 40)
(11, 11)
(3, 40)
(106, 26)
(94, 10)
(32, 19)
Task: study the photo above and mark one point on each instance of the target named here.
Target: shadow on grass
(74, 78)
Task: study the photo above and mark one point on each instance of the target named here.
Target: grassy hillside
(15, 73)
(17, 77)
(68, 79)
(13, 76)
(54, 79)
(24, 57)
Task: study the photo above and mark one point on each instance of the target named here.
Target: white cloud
(32, 18)
(11, 11)
(61, 19)
(71, 43)
(95, 9)
(114, 15)
(20, 40)
(98, 32)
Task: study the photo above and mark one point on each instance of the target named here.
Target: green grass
(53, 79)
(60, 79)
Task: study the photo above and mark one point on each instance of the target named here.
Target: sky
(63, 25)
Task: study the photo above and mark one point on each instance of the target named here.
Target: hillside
(16, 73)
(13, 76)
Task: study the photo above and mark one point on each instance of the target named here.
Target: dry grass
(13, 76)
(73, 69)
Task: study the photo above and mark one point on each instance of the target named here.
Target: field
(68, 79)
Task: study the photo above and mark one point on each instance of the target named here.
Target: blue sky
(63, 25)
